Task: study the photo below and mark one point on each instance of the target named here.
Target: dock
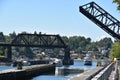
(27, 72)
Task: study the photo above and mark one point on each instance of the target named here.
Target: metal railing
(105, 73)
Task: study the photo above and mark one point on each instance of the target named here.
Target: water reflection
(4, 67)
(65, 72)
(50, 78)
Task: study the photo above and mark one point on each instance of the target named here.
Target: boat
(58, 62)
(23, 63)
(87, 60)
(26, 63)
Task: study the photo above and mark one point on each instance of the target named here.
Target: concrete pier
(26, 72)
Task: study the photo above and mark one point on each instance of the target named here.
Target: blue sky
(52, 17)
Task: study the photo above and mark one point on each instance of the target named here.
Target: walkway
(115, 74)
(87, 75)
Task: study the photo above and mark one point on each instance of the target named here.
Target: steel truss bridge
(101, 18)
(39, 40)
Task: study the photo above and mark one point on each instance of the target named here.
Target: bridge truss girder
(39, 40)
(101, 18)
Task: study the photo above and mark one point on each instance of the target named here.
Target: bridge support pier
(8, 53)
(67, 60)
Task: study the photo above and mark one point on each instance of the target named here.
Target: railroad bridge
(101, 18)
(39, 40)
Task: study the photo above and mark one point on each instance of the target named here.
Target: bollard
(99, 63)
(115, 60)
(19, 65)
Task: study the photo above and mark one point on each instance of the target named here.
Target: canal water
(61, 73)
(4, 67)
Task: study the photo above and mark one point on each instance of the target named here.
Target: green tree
(8, 39)
(29, 53)
(2, 40)
(115, 51)
(78, 43)
(26, 51)
(118, 3)
(2, 37)
(12, 35)
(2, 51)
(92, 47)
(105, 42)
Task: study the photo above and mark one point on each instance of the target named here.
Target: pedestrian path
(112, 75)
(115, 74)
(87, 75)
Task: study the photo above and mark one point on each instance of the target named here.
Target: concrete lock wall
(26, 72)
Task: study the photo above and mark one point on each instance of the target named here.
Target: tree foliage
(2, 37)
(118, 3)
(80, 43)
(115, 51)
(105, 42)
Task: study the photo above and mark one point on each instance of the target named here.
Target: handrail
(105, 73)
